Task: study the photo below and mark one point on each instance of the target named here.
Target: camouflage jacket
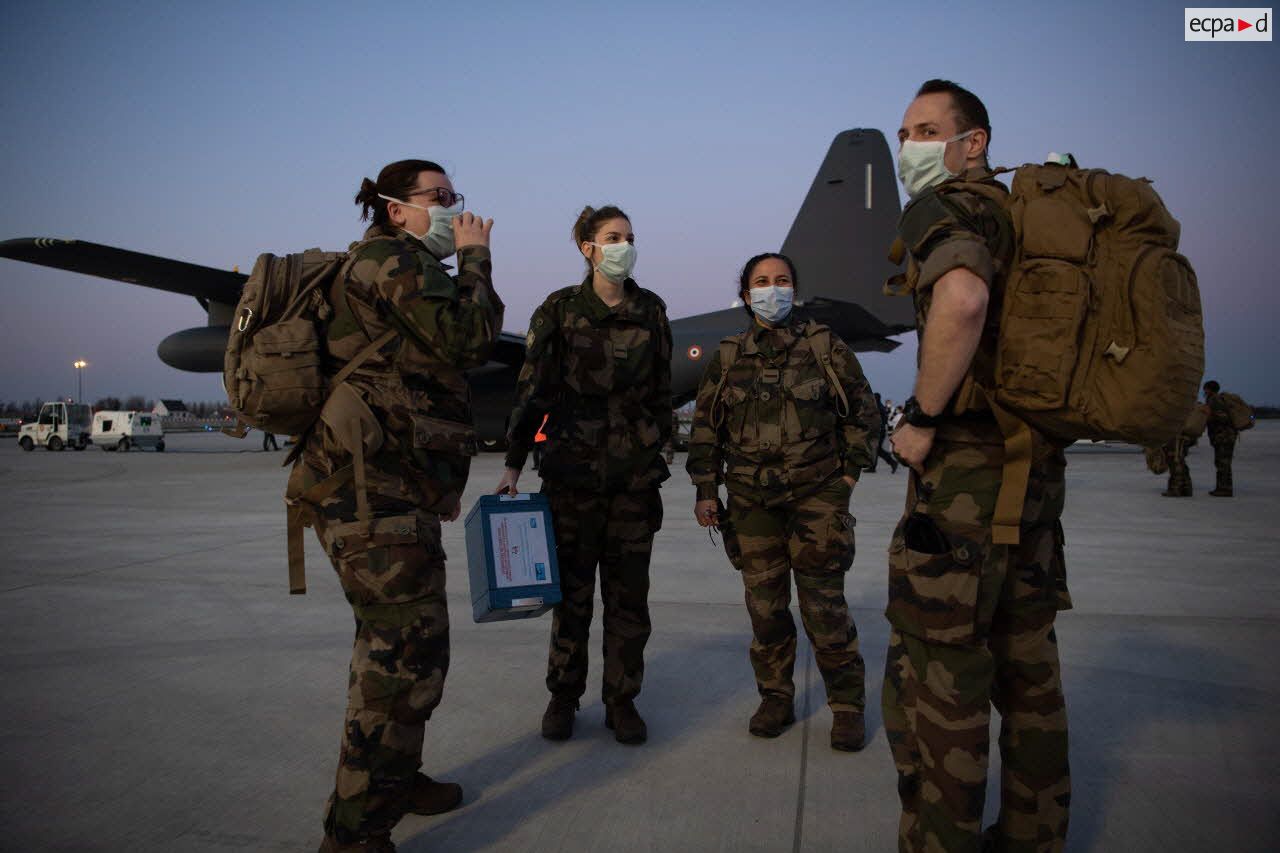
(415, 384)
(774, 432)
(1219, 426)
(948, 227)
(603, 376)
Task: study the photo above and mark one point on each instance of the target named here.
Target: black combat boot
(428, 797)
(625, 722)
(557, 720)
(848, 731)
(774, 714)
(1220, 492)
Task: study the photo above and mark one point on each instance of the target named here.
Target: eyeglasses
(446, 197)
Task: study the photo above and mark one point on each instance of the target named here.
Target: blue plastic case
(511, 556)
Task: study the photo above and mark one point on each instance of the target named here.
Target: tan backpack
(1240, 412)
(1196, 422)
(275, 380)
(272, 370)
(1101, 333)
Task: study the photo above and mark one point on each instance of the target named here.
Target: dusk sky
(212, 132)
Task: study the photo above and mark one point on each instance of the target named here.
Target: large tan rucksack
(1240, 412)
(1196, 422)
(1101, 334)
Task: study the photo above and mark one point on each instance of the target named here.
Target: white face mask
(439, 235)
(773, 303)
(618, 260)
(922, 165)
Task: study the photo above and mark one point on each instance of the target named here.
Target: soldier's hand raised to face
(471, 230)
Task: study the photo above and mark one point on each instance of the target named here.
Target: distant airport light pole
(80, 366)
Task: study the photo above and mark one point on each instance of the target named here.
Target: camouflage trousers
(811, 538)
(394, 579)
(1175, 454)
(614, 532)
(973, 627)
(1224, 447)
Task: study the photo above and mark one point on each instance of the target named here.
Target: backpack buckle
(245, 320)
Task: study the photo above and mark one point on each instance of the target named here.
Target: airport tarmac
(163, 692)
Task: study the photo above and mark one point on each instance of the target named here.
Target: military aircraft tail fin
(840, 238)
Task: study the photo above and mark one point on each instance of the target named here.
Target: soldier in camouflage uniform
(405, 414)
(599, 363)
(1222, 435)
(1175, 456)
(787, 422)
(972, 613)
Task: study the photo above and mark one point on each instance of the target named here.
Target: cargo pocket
(842, 540)
(442, 452)
(389, 566)
(933, 586)
(808, 414)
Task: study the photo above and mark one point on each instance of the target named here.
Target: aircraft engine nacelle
(199, 350)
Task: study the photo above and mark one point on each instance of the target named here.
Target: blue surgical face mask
(439, 235)
(922, 165)
(772, 304)
(617, 261)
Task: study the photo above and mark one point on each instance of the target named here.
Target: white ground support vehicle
(60, 425)
(123, 430)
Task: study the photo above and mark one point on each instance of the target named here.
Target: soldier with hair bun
(599, 365)
(385, 465)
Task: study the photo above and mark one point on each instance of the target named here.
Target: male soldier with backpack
(972, 615)
(1227, 416)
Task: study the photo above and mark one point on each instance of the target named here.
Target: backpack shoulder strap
(819, 337)
(728, 355)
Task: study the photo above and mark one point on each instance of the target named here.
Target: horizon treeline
(30, 408)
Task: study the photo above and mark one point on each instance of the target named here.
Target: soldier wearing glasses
(407, 416)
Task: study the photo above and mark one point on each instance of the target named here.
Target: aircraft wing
(855, 325)
(204, 283)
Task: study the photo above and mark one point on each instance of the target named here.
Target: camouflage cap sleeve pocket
(935, 596)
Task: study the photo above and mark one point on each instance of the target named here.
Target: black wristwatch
(914, 415)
